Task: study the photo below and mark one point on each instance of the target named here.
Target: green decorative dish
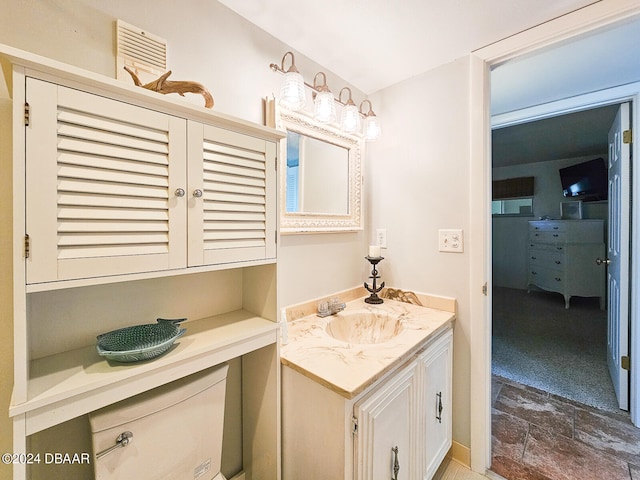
(140, 342)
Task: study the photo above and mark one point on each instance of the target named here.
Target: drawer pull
(439, 407)
(558, 279)
(396, 463)
(556, 235)
(558, 262)
(534, 258)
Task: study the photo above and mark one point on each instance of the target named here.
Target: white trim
(581, 21)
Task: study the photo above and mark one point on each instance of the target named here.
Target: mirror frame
(317, 222)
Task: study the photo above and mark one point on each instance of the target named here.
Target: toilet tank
(176, 431)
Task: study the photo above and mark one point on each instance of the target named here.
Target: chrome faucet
(330, 307)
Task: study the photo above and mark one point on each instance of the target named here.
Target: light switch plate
(450, 240)
(381, 237)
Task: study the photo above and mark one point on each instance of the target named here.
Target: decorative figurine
(374, 298)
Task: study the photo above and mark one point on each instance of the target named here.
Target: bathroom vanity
(367, 390)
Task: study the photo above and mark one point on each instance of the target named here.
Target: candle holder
(374, 298)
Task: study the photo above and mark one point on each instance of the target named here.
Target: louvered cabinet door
(100, 186)
(231, 197)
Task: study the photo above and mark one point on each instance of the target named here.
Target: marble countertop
(349, 368)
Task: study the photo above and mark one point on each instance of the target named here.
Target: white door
(618, 256)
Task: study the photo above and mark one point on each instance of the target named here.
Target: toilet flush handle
(122, 441)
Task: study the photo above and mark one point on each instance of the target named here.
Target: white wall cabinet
(326, 435)
(562, 258)
(114, 188)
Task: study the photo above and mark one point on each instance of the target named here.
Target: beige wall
(419, 172)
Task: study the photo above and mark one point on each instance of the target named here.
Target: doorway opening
(552, 390)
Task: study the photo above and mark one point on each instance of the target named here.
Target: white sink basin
(364, 327)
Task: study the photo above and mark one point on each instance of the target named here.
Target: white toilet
(171, 432)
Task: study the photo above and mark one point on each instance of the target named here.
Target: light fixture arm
(370, 112)
(349, 100)
(321, 88)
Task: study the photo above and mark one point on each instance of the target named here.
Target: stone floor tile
(512, 470)
(496, 385)
(508, 435)
(615, 436)
(538, 409)
(566, 459)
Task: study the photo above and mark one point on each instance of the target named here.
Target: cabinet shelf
(69, 384)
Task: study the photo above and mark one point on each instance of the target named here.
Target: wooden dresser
(562, 258)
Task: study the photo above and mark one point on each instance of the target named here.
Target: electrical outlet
(450, 241)
(381, 237)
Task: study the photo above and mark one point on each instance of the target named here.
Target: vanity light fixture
(293, 97)
(292, 93)
(350, 116)
(371, 127)
(324, 105)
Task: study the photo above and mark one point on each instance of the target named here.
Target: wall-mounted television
(587, 180)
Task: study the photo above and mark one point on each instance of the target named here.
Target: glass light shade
(350, 118)
(324, 110)
(292, 94)
(372, 128)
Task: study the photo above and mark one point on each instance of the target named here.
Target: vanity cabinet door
(101, 177)
(435, 373)
(386, 422)
(231, 198)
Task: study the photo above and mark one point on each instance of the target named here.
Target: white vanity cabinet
(562, 257)
(326, 435)
(114, 188)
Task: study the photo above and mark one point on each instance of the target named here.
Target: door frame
(592, 17)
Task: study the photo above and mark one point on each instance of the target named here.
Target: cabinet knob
(602, 261)
(180, 192)
(197, 193)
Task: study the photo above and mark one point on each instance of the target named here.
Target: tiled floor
(537, 436)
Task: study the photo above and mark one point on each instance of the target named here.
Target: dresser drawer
(548, 236)
(547, 278)
(547, 226)
(550, 258)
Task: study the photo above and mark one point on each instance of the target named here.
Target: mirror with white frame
(320, 174)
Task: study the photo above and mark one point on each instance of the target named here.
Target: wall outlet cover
(450, 240)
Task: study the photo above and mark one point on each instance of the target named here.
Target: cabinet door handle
(197, 193)
(179, 192)
(396, 464)
(439, 407)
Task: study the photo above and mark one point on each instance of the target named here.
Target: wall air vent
(141, 51)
